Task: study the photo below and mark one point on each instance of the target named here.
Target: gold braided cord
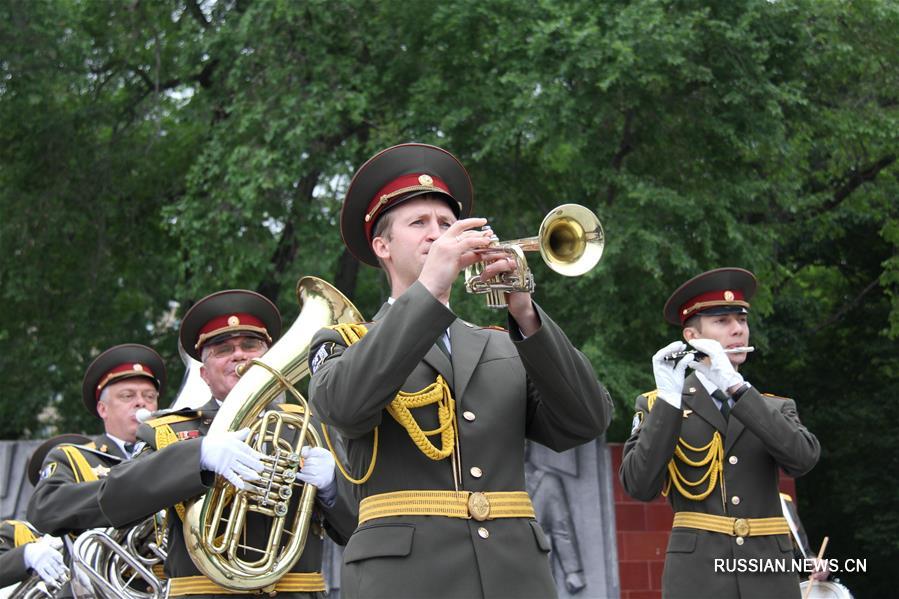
(400, 408)
(714, 458)
(351, 332)
(435, 393)
(346, 475)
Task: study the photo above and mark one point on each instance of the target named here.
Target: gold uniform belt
(452, 504)
(292, 582)
(735, 527)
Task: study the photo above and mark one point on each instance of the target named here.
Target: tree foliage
(154, 152)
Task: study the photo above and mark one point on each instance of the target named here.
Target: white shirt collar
(121, 443)
(709, 385)
(710, 388)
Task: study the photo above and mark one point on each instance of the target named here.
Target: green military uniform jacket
(160, 479)
(506, 389)
(12, 551)
(65, 498)
(762, 436)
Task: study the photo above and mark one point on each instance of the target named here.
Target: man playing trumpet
(713, 445)
(445, 517)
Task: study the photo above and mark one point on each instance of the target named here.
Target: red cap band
(721, 297)
(124, 371)
(398, 188)
(242, 321)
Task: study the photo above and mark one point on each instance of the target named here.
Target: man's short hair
(384, 228)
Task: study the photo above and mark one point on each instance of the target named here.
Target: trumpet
(675, 356)
(570, 241)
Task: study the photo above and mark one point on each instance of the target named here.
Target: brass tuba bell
(570, 240)
(214, 523)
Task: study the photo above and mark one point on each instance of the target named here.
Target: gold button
(735, 500)
(740, 540)
(733, 459)
(476, 472)
(469, 416)
(483, 532)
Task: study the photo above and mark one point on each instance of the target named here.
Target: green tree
(155, 152)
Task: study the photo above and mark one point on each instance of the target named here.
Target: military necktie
(129, 449)
(725, 402)
(441, 343)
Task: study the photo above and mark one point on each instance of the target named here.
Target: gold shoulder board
(171, 419)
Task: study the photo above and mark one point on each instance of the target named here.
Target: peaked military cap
(394, 176)
(118, 363)
(37, 458)
(229, 313)
(718, 291)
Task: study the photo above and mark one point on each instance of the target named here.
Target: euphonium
(570, 240)
(214, 523)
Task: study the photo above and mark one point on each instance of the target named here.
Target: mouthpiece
(143, 415)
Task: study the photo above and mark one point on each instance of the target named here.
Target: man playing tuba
(224, 331)
(447, 516)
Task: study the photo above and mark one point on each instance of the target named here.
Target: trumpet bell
(571, 240)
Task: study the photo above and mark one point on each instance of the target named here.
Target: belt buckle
(741, 527)
(479, 506)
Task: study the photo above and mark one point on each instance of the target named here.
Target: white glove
(670, 375)
(227, 454)
(720, 372)
(46, 561)
(319, 470)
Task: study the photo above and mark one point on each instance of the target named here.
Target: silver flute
(675, 356)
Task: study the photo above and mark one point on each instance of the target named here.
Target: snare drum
(825, 589)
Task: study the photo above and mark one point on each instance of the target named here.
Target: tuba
(119, 563)
(570, 240)
(32, 588)
(215, 523)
